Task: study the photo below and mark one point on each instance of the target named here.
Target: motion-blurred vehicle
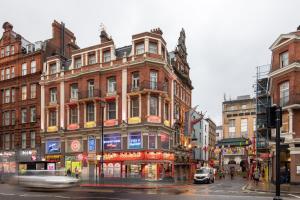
(204, 175)
(45, 179)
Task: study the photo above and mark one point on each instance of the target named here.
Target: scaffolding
(263, 101)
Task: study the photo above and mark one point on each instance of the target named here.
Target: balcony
(89, 94)
(149, 85)
(292, 101)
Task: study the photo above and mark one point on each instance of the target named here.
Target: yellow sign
(134, 120)
(90, 124)
(167, 123)
(52, 129)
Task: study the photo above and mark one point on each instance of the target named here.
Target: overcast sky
(226, 39)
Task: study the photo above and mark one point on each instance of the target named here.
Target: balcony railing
(290, 100)
(150, 85)
(87, 94)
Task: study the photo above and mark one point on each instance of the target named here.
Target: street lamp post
(102, 105)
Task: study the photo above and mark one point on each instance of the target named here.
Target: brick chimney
(157, 31)
(7, 26)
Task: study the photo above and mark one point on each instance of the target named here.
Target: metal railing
(89, 94)
(150, 85)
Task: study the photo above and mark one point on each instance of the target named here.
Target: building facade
(239, 126)
(285, 91)
(134, 92)
(219, 133)
(21, 64)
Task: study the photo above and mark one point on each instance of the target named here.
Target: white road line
(298, 197)
(231, 196)
(7, 194)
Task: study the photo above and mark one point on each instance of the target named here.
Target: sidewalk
(135, 184)
(270, 187)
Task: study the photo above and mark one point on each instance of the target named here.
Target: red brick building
(137, 82)
(21, 64)
(285, 91)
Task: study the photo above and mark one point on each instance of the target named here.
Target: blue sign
(92, 143)
(53, 146)
(135, 141)
(112, 141)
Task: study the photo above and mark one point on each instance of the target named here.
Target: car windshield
(202, 171)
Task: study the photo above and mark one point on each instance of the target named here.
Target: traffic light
(271, 116)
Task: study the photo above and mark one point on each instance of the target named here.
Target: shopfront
(30, 160)
(8, 162)
(74, 158)
(148, 165)
(53, 157)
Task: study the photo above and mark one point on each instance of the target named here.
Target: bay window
(153, 47)
(73, 115)
(134, 107)
(153, 80)
(52, 118)
(153, 105)
(91, 59)
(77, 62)
(111, 110)
(139, 48)
(90, 115)
(91, 88)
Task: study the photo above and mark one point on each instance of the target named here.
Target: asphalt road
(223, 190)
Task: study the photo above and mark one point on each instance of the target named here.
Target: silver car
(204, 175)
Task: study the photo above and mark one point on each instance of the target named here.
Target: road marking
(298, 197)
(7, 194)
(231, 196)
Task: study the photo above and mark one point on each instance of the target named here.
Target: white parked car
(204, 175)
(45, 179)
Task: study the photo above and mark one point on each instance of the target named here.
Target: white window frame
(111, 84)
(152, 106)
(135, 80)
(77, 62)
(92, 59)
(106, 56)
(74, 91)
(7, 95)
(7, 73)
(139, 48)
(90, 112)
(12, 72)
(52, 68)
(24, 145)
(32, 139)
(110, 110)
(33, 67)
(53, 118)
(33, 114)
(53, 95)
(23, 115)
(24, 92)
(284, 93)
(24, 69)
(33, 91)
(284, 59)
(137, 106)
(153, 80)
(153, 47)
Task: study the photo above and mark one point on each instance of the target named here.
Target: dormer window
(77, 62)
(106, 56)
(153, 47)
(284, 59)
(53, 68)
(139, 48)
(91, 59)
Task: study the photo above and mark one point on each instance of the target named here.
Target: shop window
(153, 47)
(24, 92)
(33, 66)
(107, 56)
(23, 115)
(134, 141)
(135, 107)
(74, 91)
(52, 118)
(73, 115)
(152, 141)
(32, 114)
(33, 91)
(24, 69)
(153, 105)
(139, 48)
(90, 116)
(165, 141)
(111, 110)
(32, 139)
(23, 140)
(53, 68)
(77, 62)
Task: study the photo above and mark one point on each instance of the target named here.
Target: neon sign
(135, 141)
(112, 141)
(75, 145)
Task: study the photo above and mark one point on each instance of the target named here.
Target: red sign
(154, 119)
(73, 127)
(139, 156)
(111, 122)
(75, 145)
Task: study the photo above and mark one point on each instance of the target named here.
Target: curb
(130, 186)
(267, 191)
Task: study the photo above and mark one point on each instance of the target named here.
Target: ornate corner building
(140, 94)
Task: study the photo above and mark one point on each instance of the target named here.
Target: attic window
(92, 59)
(153, 47)
(106, 56)
(77, 62)
(140, 48)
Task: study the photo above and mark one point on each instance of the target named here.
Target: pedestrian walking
(76, 173)
(256, 176)
(69, 173)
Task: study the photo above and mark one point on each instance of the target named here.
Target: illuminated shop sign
(135, 141)
(53, 146)
(74, 145)
(92, 143)
(112, 141)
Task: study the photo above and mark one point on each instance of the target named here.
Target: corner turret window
(284, 59)
(139, 48)
(153, 47)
